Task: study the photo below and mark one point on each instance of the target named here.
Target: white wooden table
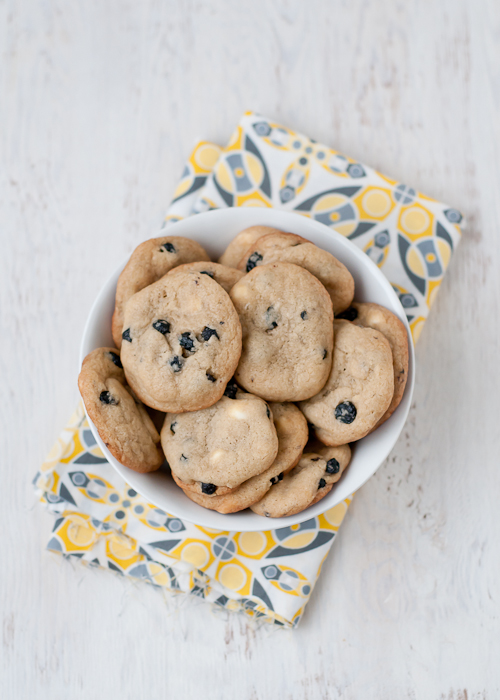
(100, 102)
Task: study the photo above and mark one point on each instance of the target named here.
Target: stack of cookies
(249, 376)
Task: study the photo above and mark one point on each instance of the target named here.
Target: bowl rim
(213, 519)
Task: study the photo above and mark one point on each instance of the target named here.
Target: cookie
(291, 427)
(223, 445)
(182, 342)
(150, 261)
(286, 318)
(288, 247)
(222, 274)
(381, 319)
(121, 421)
(240, 243)
(306, 484)
(359, 389)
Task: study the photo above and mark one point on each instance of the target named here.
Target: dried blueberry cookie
(121, 421)
(381, 319)
(286, 317)
(306, 484)
(181, 342)
(222, 446)
(150, 261)
(240, 244)
(222, 274)
(288, 247)
(291, 427)
(359, 389)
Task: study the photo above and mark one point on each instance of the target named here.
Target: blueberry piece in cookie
(107, 397)
(168, 247)
(345, 412)
(175, 363)
(187, 343)
(271, 317)
(332, 466)
(116, 359)
(207, 333)
(162, 326)
(121, 420)
(253, 260)
(231, 389)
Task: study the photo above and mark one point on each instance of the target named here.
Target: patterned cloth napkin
(103, 522)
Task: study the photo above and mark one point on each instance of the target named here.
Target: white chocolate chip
(240, 292)
(217, 456)
(237, 412)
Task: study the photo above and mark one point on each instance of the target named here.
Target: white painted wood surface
(100, 102)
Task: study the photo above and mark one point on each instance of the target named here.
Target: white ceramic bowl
(214, 230)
